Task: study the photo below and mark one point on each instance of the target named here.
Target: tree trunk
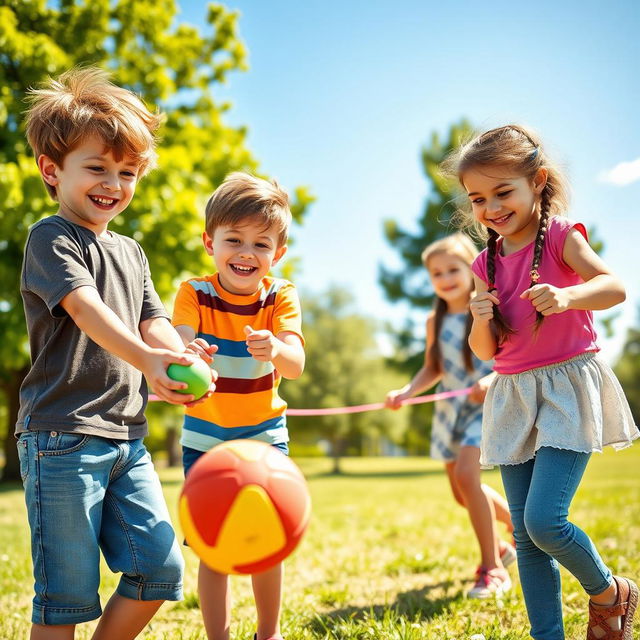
(337, 445)
(172, 445)
(11, 471)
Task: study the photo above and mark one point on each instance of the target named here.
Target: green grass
(388, 555)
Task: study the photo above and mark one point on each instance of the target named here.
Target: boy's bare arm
(159, 333)
(92, 316)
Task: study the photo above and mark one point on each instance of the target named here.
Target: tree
(410, 281)
(174, 67)
(344, 368)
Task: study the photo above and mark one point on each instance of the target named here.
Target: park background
(349, 105)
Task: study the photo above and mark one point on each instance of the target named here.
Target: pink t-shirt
(562, 335)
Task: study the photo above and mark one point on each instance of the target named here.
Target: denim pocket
(59, 443)
(23, 456)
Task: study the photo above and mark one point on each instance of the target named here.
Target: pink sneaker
(490, 583)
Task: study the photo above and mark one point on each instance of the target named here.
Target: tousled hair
(81, 103)
(242, 199)
(518, 149)
(462, 247)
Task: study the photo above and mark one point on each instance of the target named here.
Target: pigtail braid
(467, 354)
(545, 203)
(503, 330)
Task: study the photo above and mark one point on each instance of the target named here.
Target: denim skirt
(577, 404)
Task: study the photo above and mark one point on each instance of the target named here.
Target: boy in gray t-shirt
(96, 325)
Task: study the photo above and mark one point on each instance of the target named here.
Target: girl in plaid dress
(455, 435)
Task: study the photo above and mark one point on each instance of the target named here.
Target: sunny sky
(342, 95)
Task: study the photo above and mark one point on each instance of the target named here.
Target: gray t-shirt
(74, 384)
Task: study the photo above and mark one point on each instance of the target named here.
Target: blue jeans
(84, 495)
(539, 493)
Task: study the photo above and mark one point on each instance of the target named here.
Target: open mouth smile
(501, 220)
(103, 202)
(243, 269)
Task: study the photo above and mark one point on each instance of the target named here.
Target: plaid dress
(456, 421)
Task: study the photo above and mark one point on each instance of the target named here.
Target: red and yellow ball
(244, 507)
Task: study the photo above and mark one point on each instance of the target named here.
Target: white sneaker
(490, 583)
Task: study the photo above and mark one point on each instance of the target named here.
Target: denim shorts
(84, 495)
(189, 456)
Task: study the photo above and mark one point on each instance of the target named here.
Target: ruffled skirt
(577, 404)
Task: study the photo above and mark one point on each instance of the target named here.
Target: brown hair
(519, 149)
(81, 103)
(243, 198)
(460, 246)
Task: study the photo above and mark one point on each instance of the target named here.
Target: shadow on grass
(411, 605)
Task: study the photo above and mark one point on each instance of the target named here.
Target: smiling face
(452, 279)
(92, 187)
(243, 254)
(506, 203)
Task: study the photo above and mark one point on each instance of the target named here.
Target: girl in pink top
(553, 401)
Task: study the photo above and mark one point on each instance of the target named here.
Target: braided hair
(516, 148)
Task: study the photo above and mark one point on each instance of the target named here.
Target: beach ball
(244, 507)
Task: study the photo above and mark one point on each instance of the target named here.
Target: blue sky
(341, 96)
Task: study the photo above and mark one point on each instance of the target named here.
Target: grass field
(388, 555)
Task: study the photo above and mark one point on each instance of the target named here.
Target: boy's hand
(395, 399)
(154, 368)
(481, 306)
(547, 299)
(203, 349)
(262, 345)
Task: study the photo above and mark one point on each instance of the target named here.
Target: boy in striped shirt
(252, 322)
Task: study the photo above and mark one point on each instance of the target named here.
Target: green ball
(196, 375)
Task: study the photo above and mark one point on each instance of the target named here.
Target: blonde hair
(519, 149)
(81, 103)
(462, 247)
(243, 198)
(457, 244)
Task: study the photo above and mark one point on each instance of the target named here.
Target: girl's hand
(480, 388)
(202, 348)
(547, 299)
(395, 399)
(262, 344)
(481, 306)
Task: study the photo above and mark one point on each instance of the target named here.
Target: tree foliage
(174, 67)
(628, 370)
(409, 282)
(344, 368)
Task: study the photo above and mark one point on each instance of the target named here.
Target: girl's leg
(215, 602)
(539, 573)
(479, 506)
(267, 591)
(500, 507)
(546, 521)
(556, 476)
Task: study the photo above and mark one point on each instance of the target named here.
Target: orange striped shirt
(246, 403)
